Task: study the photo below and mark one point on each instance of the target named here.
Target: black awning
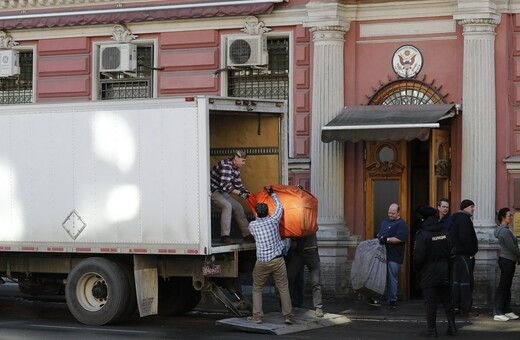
(385, 122)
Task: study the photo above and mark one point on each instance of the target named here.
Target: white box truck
(109, 203)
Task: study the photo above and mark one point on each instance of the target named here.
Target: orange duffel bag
(300, 209)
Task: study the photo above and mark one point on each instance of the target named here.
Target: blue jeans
(392, 272)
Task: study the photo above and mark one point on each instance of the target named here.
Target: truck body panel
(118, 177)
(127, 176)
(109, 203)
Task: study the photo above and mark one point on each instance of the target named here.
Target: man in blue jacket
(393, 234)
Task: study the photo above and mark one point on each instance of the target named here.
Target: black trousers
(432, 297)
(463, 283)
(503, 291)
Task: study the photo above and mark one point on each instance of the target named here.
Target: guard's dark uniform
(433, 260)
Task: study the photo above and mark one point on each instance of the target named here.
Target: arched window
(407, 92)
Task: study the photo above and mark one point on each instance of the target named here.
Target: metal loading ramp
(273, 322)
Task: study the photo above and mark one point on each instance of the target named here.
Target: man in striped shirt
(269, 259)
(225, 180)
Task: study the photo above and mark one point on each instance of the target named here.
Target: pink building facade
(460, 56)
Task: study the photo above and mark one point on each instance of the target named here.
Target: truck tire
(177, 296)
(131, 307)
(97, 291)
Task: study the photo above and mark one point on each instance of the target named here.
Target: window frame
(29, 48)
(96, 84)
(224, 83)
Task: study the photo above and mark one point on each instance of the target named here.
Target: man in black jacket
(465, 242)
(433, 253)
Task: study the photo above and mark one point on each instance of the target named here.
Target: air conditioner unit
(9, 63)
(247, 50)
(118, 58)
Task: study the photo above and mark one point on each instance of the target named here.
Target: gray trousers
(311, 259)
(230, 207)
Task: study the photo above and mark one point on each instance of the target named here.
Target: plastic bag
(300, 209)
(368, 274)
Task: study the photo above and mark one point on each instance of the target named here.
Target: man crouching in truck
(225, 180)
(269, 259)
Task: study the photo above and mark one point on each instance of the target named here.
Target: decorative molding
(403, 28)
(253, 26)
(336, 28)
(328, 33)
(512, 164)
(442, 168)
(385, 169)
(6, 41)
(326, 16)
(121, 34)
(479, 25)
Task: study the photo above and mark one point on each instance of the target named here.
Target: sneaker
(289, 319)
(392, 305)
(512, 316)
(226, 240)
(500, 318)
(249, 239)
(318, 312)
(374, 302)
(254, 318)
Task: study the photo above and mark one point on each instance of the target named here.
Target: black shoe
(452, 330)
(226, 240)
(374, 302)
(430, 333)
(392, 305)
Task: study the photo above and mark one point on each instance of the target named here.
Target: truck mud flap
(146, 283)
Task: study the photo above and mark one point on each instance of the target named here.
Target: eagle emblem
(407, 61)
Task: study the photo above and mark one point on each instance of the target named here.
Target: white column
(327, 160)
(479, 143)
(479, 119)
(327, 167)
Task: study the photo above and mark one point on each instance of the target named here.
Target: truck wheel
(177, 296)
(131, 307)
(97, 291)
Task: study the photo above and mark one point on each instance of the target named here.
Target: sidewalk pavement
(406, 310)
(403, 323)
(411, 310)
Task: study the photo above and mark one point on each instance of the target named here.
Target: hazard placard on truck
(97, 195)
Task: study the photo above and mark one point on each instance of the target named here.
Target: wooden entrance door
(440, 165)
(388, 167)
(386, 173)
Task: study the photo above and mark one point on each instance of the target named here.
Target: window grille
(19, 89)
(407, 92)
(126, 86)
(272, 83)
